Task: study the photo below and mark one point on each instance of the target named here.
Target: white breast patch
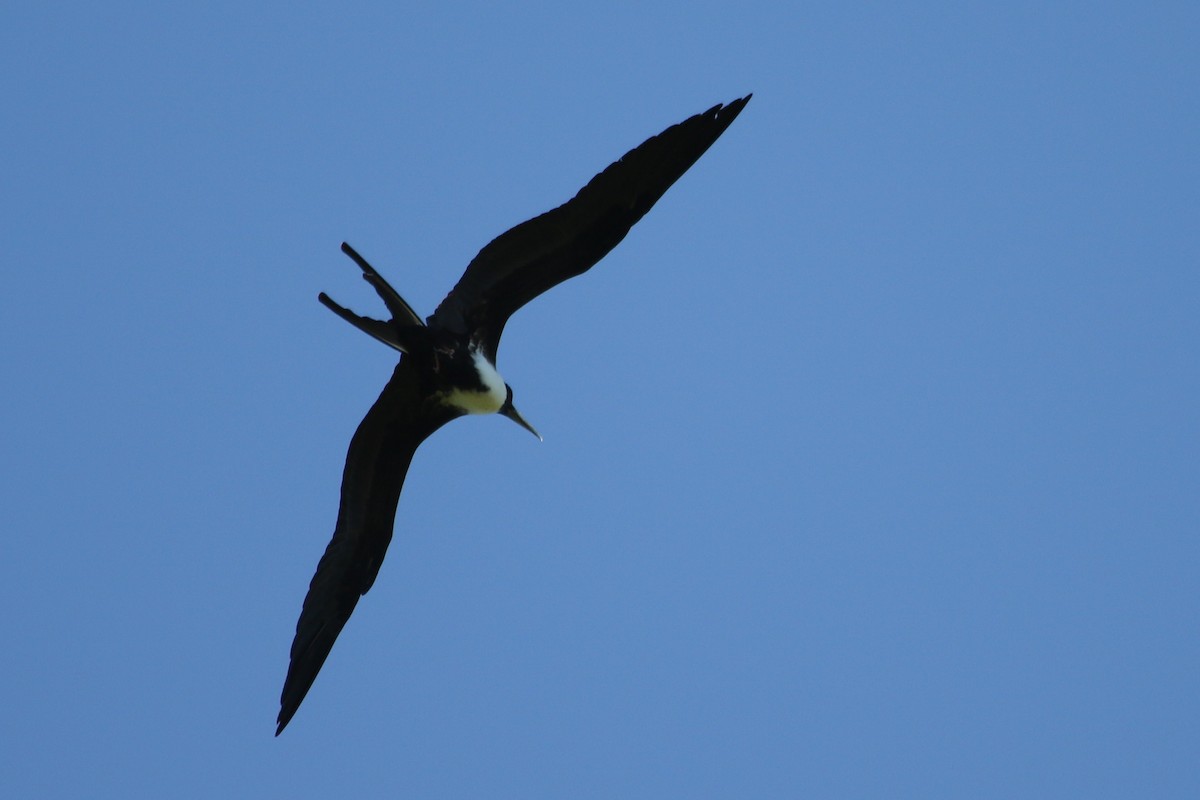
(487, 401)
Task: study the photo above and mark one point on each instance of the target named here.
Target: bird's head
(510, 411)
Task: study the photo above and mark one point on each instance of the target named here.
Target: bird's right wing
(540, 253)
(376, 464)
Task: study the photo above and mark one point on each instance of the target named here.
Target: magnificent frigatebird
(447, 365)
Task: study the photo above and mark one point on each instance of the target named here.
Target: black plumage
(447, 366)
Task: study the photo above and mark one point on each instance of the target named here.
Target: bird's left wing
(376, 464)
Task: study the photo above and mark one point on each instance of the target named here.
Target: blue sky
(871, 454)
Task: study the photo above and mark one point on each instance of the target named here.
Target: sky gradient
(870, 463)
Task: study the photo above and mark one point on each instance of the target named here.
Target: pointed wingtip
(286, 713)
(735, 106)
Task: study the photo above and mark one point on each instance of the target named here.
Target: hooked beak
(510, 411)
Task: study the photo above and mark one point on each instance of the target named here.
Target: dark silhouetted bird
(448, 365)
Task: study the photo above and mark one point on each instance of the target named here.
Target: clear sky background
(871, 458)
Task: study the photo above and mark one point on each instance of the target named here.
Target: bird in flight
(447, 365)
